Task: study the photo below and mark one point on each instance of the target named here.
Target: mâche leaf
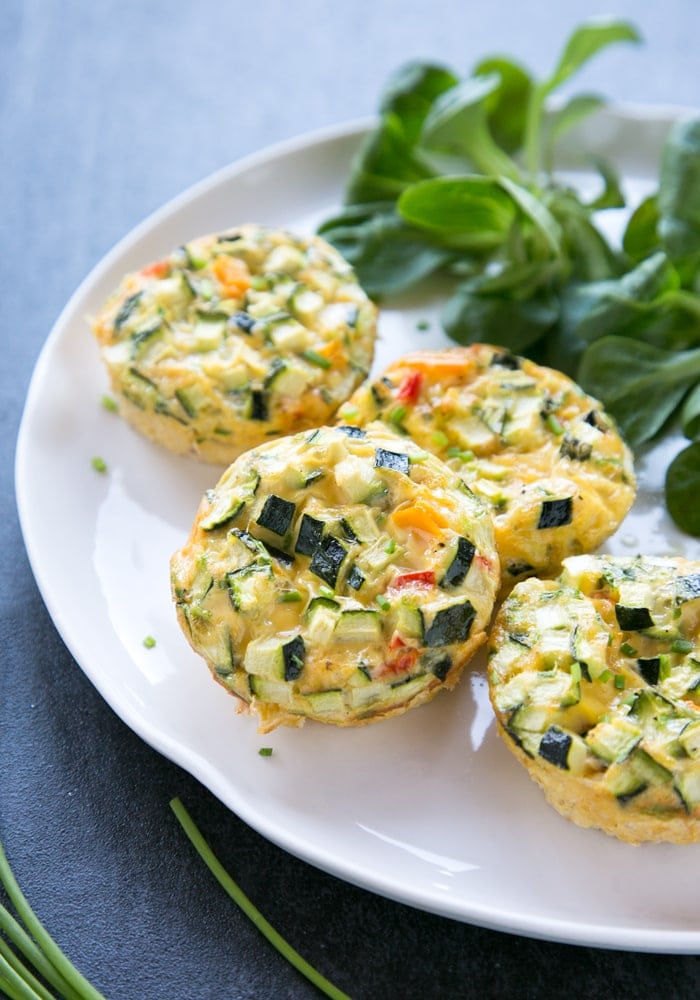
(639, 384)
(458, 178)
(682, 484)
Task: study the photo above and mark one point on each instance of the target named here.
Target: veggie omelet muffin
(234, 338)
(543, 456)
(342, 575)
(595, 681)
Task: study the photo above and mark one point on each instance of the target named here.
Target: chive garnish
(265, 751)
(109, 404)
(619, 682)
(628, 649)
(149, 642)
(383, 603)
(253, 914)
(554, 425)
(440, 439)
(290, 596)
(605, 676)
(390, 546)
(423, 324)
(37, 947)
(314, 358)
(681, 646)
(99, 464)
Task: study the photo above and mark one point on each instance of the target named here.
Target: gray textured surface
(107, 110)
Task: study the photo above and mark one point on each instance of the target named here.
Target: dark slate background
(107, 109)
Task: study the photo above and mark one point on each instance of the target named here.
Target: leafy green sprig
(458, 178)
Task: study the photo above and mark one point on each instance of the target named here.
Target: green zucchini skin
(345, 597)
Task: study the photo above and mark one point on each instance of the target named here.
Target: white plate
(429, 808)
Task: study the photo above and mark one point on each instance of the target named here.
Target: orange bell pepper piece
(232, 274)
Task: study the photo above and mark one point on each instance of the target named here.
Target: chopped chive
(265, 751)
(554, 425)
(99, 464)
(349, 412)
(290, 597)
(463, 453)
(109, 404)
(440, 439)
(314, 358)
(241, 900)
(628, 649)
(382, 602)
(423, 324)
(417, 459)
(605, 676)
(149, 642)
(390, 546)
(397, 414)
(326, 592)
(619, 682)
(681, 646)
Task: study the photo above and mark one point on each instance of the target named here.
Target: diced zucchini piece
(377, 556)
(530, 719)
(406, 690)
(326, 702)
(633, 619)
(615, 740)
(286, 379)
(356, 478)
(556, 513)
(208, 333)
(225, 508)
(277, 515)
(246, 585)
(192, 398)
(563, 749)
(264, 658)
(682, 680)
(394, 460)
(355, 578)
(145, 335)
(689, 739)
(688, 785)
(327, 559)
(450, 624)
(259, 405)
(362, 524)
(126, 310)
(688, 588)
(632, 776)
(309, 536)
(459, 567)
(408, 621)
(270, 690)
(362, 695)
(358, 626)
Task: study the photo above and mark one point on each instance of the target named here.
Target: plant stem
(53, 953)
(25, 974)
(241, 900)
(19, 937)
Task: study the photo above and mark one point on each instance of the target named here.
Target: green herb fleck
(605, 676)
(554, 424)
(390, 546)
(628, 649)
(290, 596)
(109, 404)
(682, 646)
(423, 324)
(99, 464)
(383, 603)
(149, 642)
(440, 439)
(314, 358)
(265, 751)
(619, 682)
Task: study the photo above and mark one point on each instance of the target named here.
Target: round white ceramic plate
(429, 808)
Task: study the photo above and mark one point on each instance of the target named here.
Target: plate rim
(551, 929)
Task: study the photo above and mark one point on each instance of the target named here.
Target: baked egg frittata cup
(595, 682)
(342, 575)
(234, 338)
(542, 455)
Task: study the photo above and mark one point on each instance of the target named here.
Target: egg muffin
(343, 575)
(595, 682)
(234, 338)
(543, 456)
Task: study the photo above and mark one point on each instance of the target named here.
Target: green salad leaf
(458, 178)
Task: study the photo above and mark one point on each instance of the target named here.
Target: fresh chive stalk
(38, 947)
(253, 914)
